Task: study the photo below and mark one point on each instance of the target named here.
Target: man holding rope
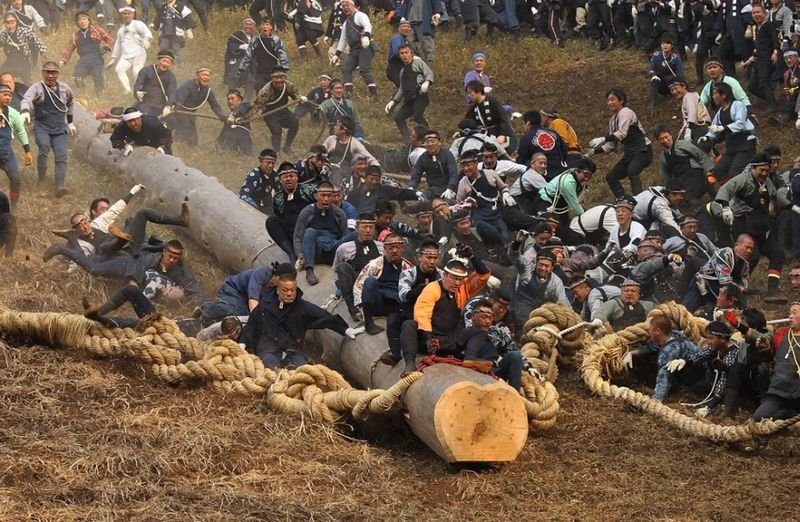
(272, 102)
(191, 96)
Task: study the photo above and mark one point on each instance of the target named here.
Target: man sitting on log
(261, 182)
(437, 312)
(287, 203)
(141, 130)
(277, 327)
(411, 283)
(352, 256)
(486, 349)
(319, 231)
(672, 348)
(376, 290)
(782, 400)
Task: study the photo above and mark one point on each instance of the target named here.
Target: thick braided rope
(313, 390)
(602, 359)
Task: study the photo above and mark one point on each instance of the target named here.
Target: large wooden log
(462, 415)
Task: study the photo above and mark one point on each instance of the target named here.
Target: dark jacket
(154, 134)
(179, 274)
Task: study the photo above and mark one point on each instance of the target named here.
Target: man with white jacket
(130, 47)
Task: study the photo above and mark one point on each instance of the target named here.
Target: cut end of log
(481, 423)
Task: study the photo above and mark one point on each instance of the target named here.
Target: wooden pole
(462, 415)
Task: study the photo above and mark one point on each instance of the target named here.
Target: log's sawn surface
(462, 415)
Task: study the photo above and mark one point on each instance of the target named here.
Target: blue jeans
(58, 142)
(228, 302)
(11, 167)
(381, 301)
(316, 242)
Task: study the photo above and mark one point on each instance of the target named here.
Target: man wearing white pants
(130, 47)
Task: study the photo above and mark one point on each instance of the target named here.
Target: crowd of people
(485, 229)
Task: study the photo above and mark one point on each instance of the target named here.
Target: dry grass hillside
(89, 439)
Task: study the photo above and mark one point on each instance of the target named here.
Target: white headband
(131, 116)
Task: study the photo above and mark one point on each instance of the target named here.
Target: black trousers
(283, 119)
(631, 167)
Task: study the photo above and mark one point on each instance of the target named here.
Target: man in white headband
(140, 130)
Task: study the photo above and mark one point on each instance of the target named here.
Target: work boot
(118, 233)
(311, 277)
(773, 295)
(185, 213)
(369, 323)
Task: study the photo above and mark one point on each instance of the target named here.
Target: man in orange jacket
(437, 312)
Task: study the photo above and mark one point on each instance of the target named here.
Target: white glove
(326, 40)
(655, 78)
(61, 63)
(727, 216)
(435, 19)
(424, 87)
(627, 360)
(334, 61)
(126, 151)
(72, 130)
(389, 107)
(676, 365)
(231, 119)
(26, 117)
(716, 128)
(364, 42)
(596, 142)
(167, 110)
(493, 282)
(589, 153)
(718, 39)
(797, 124)
(161, 150)
(702, 412)
(702, 139)
(101, 2)
(146, 43)
(487, 90)
(448, 194)
(508, 200)
(796, 209)
(138, 187)
(140, 95)
(189, 34)
(421, 196)
(303, 99)
(244, 47)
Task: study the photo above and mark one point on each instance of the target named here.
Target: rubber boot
(11, 236)
(369, 323)
(773, 295)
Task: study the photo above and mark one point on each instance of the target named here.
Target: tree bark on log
(462, 415)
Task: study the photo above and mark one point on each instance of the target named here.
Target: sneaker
(300, 263)
(331, 303)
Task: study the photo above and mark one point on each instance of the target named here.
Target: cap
(166, 53)
(629, 282)
(456, 268)
(625, 201)
(127, 9)
(718, 328)
(50, 67)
